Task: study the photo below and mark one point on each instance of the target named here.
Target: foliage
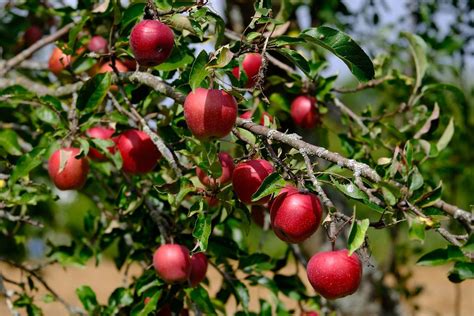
(405, 136)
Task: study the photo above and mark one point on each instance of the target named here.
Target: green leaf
(145, 309)
(296, 58)
(357, 234)
(418, 50)
(201, 298)
(26, 163)
(270, 185)
(241, 294)
(132, 14)
(344, 47)
(222, 57)
(202, 230)
(93, 92)
(416, 229)
(87, 297)
(441, 256)
(349, 189)
(447, 135)
(178, 59)
(416, 180)
(469, 245)
(120, 297)
(256, 262)
(73, 33)
(199, 71)
(9, 142)
(461, 271)
(430, 198)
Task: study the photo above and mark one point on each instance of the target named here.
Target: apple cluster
(68, 168)
(295, 214)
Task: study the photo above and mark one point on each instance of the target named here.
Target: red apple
(138, 152)
(304, 112)
(100, 133)
(172, 263)
(334, 274)
(210, 113)
(66, 171)
(151, 42)
(198, 268)
(227, 166)
(98, 44)
(295, 215)
(311, 313)
(58, 61)
(246, 115)
(251, 65)
(32, 35)
(247, 178)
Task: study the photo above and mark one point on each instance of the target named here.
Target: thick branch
(33, 48)
(293, 140)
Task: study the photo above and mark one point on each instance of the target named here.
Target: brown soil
(438, 298)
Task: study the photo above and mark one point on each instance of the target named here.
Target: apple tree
(200, 143)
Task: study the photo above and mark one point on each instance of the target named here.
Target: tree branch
(32, 272)
(11, 63)
(293, 140)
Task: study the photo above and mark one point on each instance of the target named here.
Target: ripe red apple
(311, 313)
(58, 61)
(251, 65)
(227, 165)
(66, 171)
(198, 268)
(151, 42)
(107, 67)
(138, 152)
(172, 263)
(247, 178)
(304, 112)
(100, 133)
(334, 274)
(295, 215)
(210, 113)
(98, 44)
(32, 35)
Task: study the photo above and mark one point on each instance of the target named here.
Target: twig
(299, 254)
(16, 218)
(344, 109)
(362, 86)
(32, 272)
(372, 198)
(278, 161)
(33, 48)
(309, 169)
(163, 149)
(454, 239)
(4, 291)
